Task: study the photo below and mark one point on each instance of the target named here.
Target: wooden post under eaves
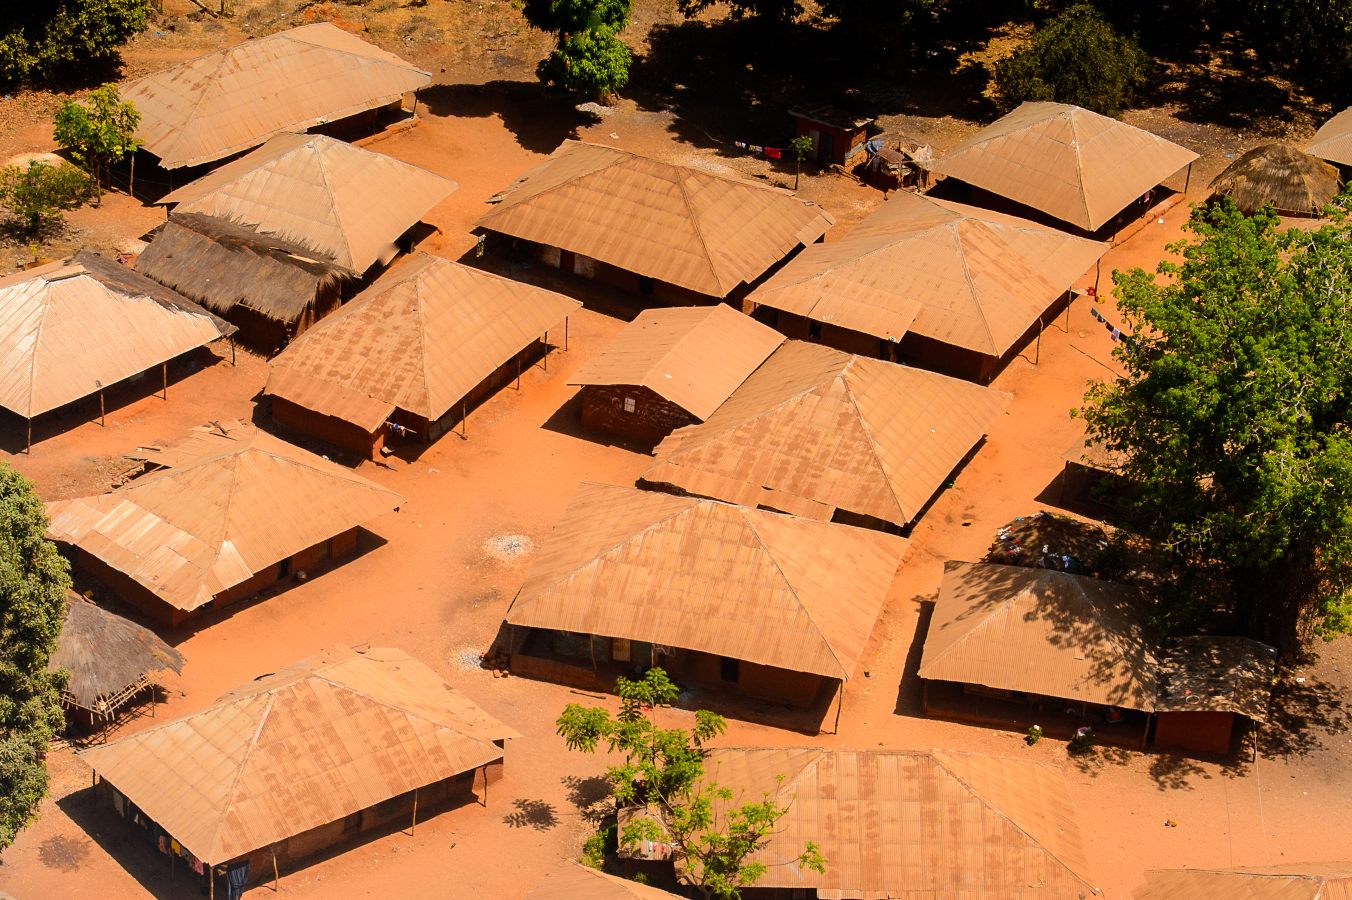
(485, 770)
(414, 827)
(1037, 353)
(565, 333)
(164, 370)
(840, 700)
(276, 876)
(546, 357)
(518, 371)
(102, 423)
(28, 450)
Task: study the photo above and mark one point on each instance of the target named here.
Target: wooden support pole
(546, 356)
(485, 770)
(1187, 179)
(29, 449)
(1070, 300)
(164, 370)
(131, 185)
(565, 333)
(1098, 268)
(276, 876)
(102, 423)
(231, 339)
(414, 827)
(518, 371)
(211, 882)
(464, 419)
(840, 700)
(1037, 353)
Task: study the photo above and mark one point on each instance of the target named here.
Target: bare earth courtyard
(435, 578)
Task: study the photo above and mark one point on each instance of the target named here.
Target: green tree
(54, 39)
(37, 195)
(662, 775)
(97, 133)
(33, 584)
(588, 57)
(1075, 57)
(1234, 416)
(800, 147)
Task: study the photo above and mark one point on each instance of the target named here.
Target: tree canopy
(33, 584)
(43, 41)
(1235, 420)
(588, 57)
(99, 132)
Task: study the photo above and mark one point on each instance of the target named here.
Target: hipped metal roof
(225, 102)
(814, 430)
(106, 654)
(315, 742)
(341, 201)
(1333, 140)
(69, 328)
(419, 339)
(244, 503)
(958, 274)
(573, 881)
(1289, 881)
(677, 224)
(692, 356)
(1070, 163)
(701, 575)
(1042, 632)
(905, 823)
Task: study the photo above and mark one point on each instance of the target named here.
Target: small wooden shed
(837, 136)
(1207, 686)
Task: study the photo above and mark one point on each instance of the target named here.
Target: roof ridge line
(745, 513)
(1109, 634)
(37, 343)
(239, 771)
(694, 223)
(1008, 601)
(506, 193)
(343, 231)
(868, 433)
(317, 675)
(888, 243)
(1079, 168)
(971, 288)
(202, 95)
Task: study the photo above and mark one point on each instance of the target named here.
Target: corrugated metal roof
(214, 519)
(958, 274)
(707, 576)
(574, 881)
(224, 102)
(899, 823)
(814, 430)
(1217, 674)
(1070, 163)
(326, 195)
(1042, 632)
(677, 224)
(325, 738)
(693, 356)
(1291, 881)
(419, 339)
(69, 328)
(1333, 140)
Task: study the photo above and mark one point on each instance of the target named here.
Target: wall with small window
(632, 412)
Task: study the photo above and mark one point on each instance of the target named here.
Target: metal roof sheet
(1070, 163)
(240, 502)
(1217, 674)
(574, 881)
(961, 275)
(676, 224)
(1043, 632)
(227, 101)
(313, 743)
(1290, 881)
(693, 356)
(707, 576)
(915, 824)
(1333, 140)
(814, 430)
(326, 195)
(69, 328)
(419, 339)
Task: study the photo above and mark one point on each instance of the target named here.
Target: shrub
(36, 196)
(50, 39)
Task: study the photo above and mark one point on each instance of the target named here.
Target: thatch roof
(1279, 176)
(109, 658)
(70, 328)
(346, 202)
(218, 104)
(223, 265)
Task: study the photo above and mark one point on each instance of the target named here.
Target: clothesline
(771, 152)
(1113, 331)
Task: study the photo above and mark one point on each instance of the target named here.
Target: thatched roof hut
(225, 266)
(1291, 181)
(110, 659)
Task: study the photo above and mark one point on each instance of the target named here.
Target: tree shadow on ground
(591, 796)
(536, 814)
(539, 120)
(1303, 711)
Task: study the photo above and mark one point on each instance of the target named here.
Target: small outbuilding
(679, 234)
(1207, 685)
(1289, 881)
(411, 354)
(1076, 166)
(271, 289)
(830, 436)
(838, 136)
(904, 823)
(1291, 182)
(767, 605)
(299, 762)
(941, 285)
(670, 368)
(111, 662)
(231, 100)
(72, 329)
(232, 512)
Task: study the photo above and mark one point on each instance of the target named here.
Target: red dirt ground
(431, 588)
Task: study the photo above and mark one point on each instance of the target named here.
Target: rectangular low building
(838, 136)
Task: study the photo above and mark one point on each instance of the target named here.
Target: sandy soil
(427, 583)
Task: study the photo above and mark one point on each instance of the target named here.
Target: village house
(670, 368)
(826, 435)
(717, 595)
(223, 103)
(935, 284)
(412, 354)
(677, 234)
(298, 762)
(1063, 163)
(73, 329)
(230, 513)
(837, 136)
